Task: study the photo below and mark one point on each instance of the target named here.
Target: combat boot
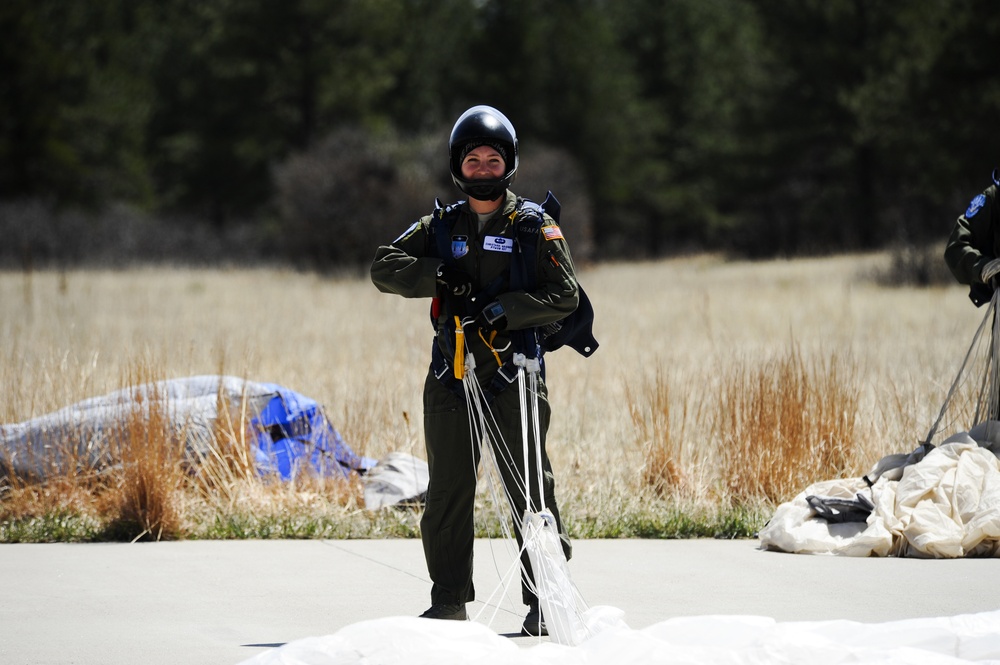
(446, 611)
(534, 623)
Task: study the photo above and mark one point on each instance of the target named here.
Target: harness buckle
(532, 365)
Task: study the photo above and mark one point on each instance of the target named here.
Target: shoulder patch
(552, 232)
(975, 206)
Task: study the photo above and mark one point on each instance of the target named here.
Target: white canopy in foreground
(706, 640)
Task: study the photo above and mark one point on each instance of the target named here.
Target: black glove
(492, 317)
(990, 270)
(456, 282)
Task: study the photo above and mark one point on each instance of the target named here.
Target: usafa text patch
(552, 232)
(976, 205)
(498, 244)
(459, 246)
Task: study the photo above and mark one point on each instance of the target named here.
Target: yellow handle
(459, 350)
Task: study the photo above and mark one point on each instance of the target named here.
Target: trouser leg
(510, 458)
(447, 528)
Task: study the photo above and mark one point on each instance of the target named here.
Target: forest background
(306, 132)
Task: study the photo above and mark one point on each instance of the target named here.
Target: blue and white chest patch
(459, 246)
(498, 244)
(975, 206)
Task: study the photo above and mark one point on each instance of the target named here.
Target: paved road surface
(222, 602)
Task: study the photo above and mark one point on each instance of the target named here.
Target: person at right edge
(466, 258)
(973, 249)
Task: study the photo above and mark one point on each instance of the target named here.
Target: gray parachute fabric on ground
(85, 434)
(398, 478)
(289, 432)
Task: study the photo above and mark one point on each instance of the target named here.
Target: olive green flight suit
(408, 267)
(974, 242)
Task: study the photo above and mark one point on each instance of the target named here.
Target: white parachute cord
(540, 528)
(990, 314)
(533, 385)
(994, 393)
(485, 431)
(480, 418)
(527, 531)
(522, 401)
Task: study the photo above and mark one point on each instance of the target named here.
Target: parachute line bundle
(561, 604)
(974, 395)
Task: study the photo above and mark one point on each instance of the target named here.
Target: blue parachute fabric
(294, 435)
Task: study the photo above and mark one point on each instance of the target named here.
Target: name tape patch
(498, 244)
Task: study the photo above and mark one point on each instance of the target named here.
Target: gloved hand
(456, 282)
(491, 318)
(990, 270)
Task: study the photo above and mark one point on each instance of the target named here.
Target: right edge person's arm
(403, 267)
(964, 260)
(972, 242)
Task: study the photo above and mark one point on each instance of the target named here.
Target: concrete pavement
(225, 601)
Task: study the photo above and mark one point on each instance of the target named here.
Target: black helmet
(483, 125)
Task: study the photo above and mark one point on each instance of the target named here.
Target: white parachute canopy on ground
(941, 500)
(704, 640)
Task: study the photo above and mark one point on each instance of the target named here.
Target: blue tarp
(293, 434)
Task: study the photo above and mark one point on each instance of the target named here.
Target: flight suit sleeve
(403, 267)
(970, 245)
(556, 294)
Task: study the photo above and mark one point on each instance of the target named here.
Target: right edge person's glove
(990, 270)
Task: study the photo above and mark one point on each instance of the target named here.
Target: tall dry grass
(717, 383)
(149, 473)
(782, 425)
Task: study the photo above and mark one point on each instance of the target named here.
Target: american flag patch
(552, 232)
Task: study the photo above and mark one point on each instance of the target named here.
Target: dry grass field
(718, 387)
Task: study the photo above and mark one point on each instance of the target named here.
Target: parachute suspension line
(993, 391)
(486, 434)
(522, 400)
(479, 433)
(484, 431)
(531, 439)
(992, 395)
(548, 578)
(533, 386)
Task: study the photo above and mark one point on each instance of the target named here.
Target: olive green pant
(447, 525)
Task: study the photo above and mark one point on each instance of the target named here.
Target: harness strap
(573, 331)
(445, 373)
(459, 349)
(489, 345)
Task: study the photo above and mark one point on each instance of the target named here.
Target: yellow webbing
(489, 343)
(459, 350)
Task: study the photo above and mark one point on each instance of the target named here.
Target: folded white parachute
(944, 505)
